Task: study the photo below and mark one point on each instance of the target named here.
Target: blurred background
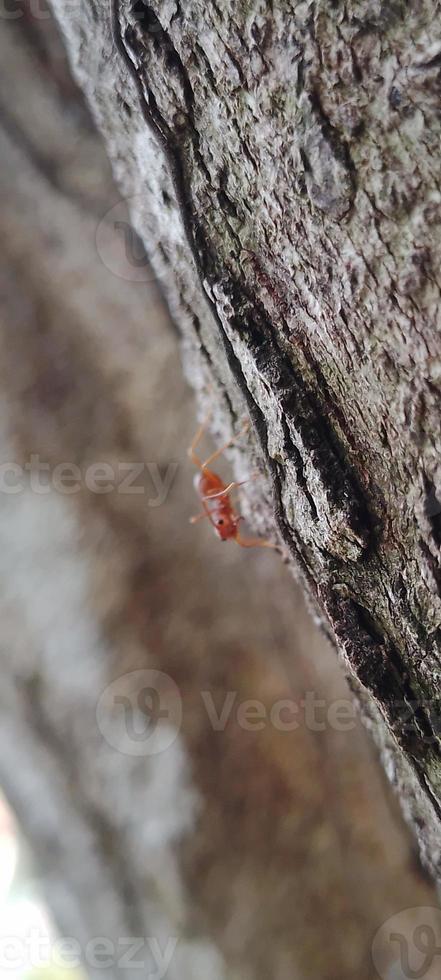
(180, 749)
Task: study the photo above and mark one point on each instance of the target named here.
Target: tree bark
(282, 168)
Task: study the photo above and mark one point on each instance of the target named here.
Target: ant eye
(220, 522)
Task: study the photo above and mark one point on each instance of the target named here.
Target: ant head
(226, 527)
(223, 528)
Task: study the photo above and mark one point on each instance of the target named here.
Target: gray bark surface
(282, 166)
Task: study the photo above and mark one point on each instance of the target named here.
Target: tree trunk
(282, 169)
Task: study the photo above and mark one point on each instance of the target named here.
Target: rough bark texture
(282, 163)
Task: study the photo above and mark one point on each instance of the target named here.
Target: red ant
(214, 495)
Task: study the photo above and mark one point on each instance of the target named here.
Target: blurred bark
(282, 168)
(263, 851)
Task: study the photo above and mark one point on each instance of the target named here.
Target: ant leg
(225, 491)
(255, 543)
(197, 518)
(205, 513)
(191, 449)
(231, 486)
(218, 452)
